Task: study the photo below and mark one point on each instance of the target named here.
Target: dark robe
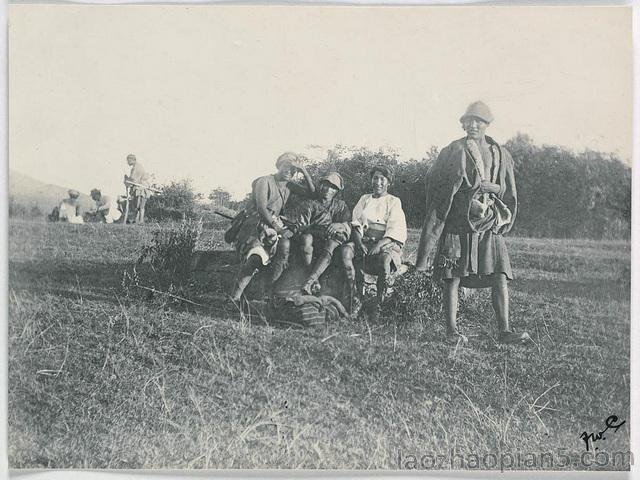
(452, 239)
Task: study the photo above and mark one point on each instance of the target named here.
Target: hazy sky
(215, 93)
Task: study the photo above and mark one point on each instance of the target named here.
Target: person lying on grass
(323, 224)
(471, 203)
(263, 238)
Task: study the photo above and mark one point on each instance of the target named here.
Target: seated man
(323, 222)
(70, 209)
(106, 209)
(379, 234)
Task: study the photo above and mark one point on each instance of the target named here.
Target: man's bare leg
(306, 243)
(500, 301)
(451, 287)
(141, 204)
(384, 272)
(350, 297)
(322, 263)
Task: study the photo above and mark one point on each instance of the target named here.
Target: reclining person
(323, 223)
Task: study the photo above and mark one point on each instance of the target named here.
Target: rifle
(224, 212)
(230, 214)
(129, 183)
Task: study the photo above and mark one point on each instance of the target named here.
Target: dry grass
(102, 380)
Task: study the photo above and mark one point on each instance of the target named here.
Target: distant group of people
(471, 203)
(106, 209)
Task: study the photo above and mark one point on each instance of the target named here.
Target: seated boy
(323, 222)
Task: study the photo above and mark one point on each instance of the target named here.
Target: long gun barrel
(224, 212)
(223, 215)
(130, 183)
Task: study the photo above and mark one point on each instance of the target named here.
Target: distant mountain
(29, 192)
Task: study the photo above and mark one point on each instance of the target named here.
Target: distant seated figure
(106, 209)
(70, 209)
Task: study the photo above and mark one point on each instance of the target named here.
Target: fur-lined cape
(452, 182)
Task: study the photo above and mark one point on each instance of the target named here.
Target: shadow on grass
(91, 281)
(593, 289)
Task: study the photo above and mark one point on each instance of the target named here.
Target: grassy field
(102, 379)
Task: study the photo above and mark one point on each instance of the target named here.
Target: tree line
(562, 193)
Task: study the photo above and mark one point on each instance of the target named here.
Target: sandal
(307, 288)
(514, 338)
(311, 287)
(455, 337)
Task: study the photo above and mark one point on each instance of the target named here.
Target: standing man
(471, 203)
(136, 183)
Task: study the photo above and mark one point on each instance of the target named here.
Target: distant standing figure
(136, 183)
(70, 209)
(471, 203)
(106, 209)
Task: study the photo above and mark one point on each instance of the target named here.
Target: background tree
(567, 194)
(220, 197)
(176, 201)
(561, 193)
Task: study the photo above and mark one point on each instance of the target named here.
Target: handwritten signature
(610, 422)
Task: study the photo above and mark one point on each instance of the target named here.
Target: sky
(216, 93)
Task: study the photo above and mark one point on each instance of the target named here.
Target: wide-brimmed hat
(286, 157)
(386, 171)
(335, 179)
(479, 110)
(74, 193)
